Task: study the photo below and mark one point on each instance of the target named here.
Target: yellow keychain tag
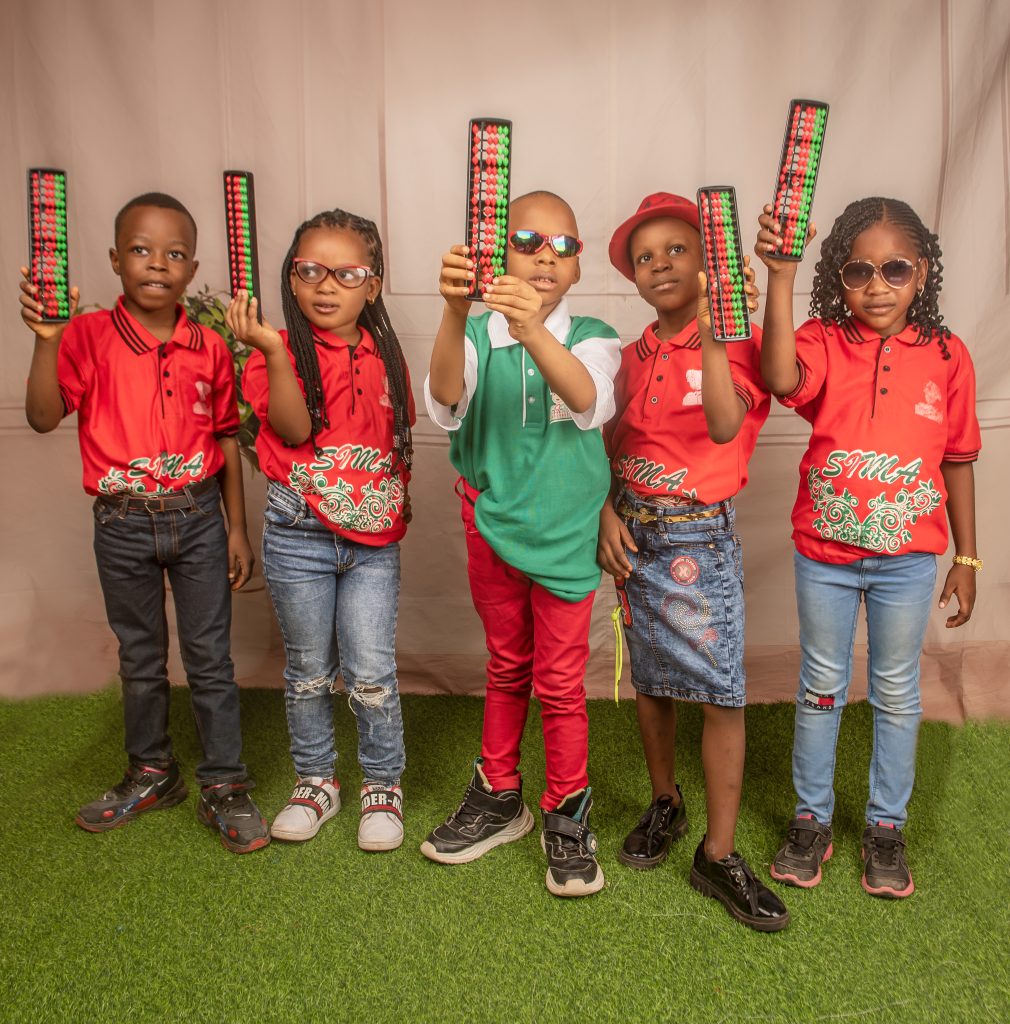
(615, 618)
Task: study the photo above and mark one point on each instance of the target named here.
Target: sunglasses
(315, 273)
(531, 242)
(857, 274)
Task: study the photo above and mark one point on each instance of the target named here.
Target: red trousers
(537, 643)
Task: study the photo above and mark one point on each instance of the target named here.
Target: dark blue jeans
(134, 549)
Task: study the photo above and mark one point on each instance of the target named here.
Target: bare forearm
(232, 490)
(448, 358)
(565, 374)
(959, 479)
(778, 346)
(724, 411)
(43, 402)
(286, 412)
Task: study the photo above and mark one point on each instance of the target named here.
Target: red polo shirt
(148, 413)
(658, 441)
(350, 484)
(885, 414)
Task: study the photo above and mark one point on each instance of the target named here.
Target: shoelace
(885, 852)
(802, 838)
(659, 819)
(466, 814)
(744, 879)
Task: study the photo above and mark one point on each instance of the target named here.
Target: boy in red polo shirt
(157, 418)
(688, 413)
(890, 395)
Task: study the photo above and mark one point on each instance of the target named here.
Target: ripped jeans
(336, 603)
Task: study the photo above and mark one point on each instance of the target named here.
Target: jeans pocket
(284, 507)
(105, 512)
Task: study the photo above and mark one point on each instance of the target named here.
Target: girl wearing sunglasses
(890, 394)
(333, 399)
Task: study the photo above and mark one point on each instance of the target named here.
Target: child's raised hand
(960, 583)
(456, 278)
(243, 323)
(518, 301)
(31, 309)
(613, 540)
(704, 310)
(769, 239)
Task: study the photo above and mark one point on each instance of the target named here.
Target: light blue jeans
(898, 592)
(336, 603)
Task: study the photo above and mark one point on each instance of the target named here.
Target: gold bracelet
(975, 563)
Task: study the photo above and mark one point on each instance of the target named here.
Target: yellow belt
(625, 511)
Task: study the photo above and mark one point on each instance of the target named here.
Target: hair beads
(48, 249)
(794, 187)
(488, 199)
(240, 221)
(724, 267)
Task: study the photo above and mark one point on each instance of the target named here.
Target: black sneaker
(885, 872)
(571, 848)
(230, 809)
(649, 841)
(733, 884)
(144, 788)
(483, 820)
(807, 847)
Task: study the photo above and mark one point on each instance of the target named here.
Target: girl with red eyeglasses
(333, 399)
(890, 395)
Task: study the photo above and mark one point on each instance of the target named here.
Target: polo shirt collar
(857, 333)
(140, 340)
(650, 343)
(331, 340)
(559, 323)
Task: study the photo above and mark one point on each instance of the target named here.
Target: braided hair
(826, 299)
(373, 318)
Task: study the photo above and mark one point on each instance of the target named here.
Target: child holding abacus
(157, 419)
(523, 390)
(890, 393)
(333, 398)
(688, 414)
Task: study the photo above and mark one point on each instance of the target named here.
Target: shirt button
(531, 400)
(883, 391)
(660, 377)
(167, 374)
(654, 400)
(887, 348)
(357, 369)
(169, 393)
(666, 355)
(360, 392)
(886, 368)
(530, 372)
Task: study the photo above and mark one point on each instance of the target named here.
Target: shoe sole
(226, 841)
(887, 892)
(802, 883)
(759, 924)
(374, 846)
(647, 863)
(288, 836)
(575, 886)
(516, 829)
(170, 799)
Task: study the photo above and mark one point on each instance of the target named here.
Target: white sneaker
(315, 800)
(381, 826)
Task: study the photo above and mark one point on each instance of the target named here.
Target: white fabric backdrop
(364, 106)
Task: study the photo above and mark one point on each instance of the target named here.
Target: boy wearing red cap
(688, 413)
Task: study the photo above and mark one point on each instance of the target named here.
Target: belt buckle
(151, 511)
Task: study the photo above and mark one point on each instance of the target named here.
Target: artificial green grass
(157, 922)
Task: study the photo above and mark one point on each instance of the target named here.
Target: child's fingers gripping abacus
(243, 322)
(769, 238)
(31, 308)
(704, 313)
(456, 277)
(750, 285)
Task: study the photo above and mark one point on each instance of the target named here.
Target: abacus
(724, 267)
(48, 250)
(240, 221)
(487, 203)
(802, 145)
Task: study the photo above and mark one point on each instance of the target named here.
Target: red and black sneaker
(885, 871)
(144, 788)
(230, 809)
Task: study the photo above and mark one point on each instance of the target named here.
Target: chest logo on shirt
(559, 411)
(172, 466)
(653, 476)
(930, 408)
(693, 396)
(200, 406)
(885, 527)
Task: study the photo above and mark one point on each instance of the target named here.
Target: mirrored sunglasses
(315, 273)
(857, 274)
(531, 242)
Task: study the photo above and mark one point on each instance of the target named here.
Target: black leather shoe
(649, 841)
(733, 884)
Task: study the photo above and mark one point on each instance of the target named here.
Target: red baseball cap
(659, 204)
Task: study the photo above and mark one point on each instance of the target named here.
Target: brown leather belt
(163, 502)
(625, 511)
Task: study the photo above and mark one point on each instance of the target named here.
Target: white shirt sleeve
(449, 417)
(602, 358)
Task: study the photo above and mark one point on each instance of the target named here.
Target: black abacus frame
(477, 293)
(31, 232)
(253, 241)
(712, 263)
